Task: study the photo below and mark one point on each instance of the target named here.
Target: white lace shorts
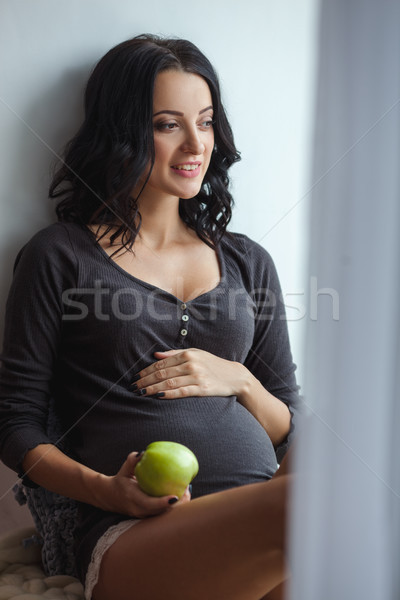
(103, 544)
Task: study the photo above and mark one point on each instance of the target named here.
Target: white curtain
(346, 525)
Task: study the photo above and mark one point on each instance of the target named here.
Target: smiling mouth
(187, 167)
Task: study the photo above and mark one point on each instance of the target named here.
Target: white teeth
(187, 167)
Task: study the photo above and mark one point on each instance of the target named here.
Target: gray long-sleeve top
(78, 327)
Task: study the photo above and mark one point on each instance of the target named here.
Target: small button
(185, 317)
(183, 331)
(183, 306)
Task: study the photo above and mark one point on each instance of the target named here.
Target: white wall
(264, 53)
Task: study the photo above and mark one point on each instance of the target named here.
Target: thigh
(278, 593)
(224, 546)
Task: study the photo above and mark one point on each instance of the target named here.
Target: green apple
(166, 468)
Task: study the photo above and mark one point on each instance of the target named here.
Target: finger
(153, 504)
(156, 503)
(143, 505)
(146, 505)
(186, 353)
(167, 352)
(187, 496)
(164, 378)
(158, 365)
(168, 386)
(128, 467)
(180, 387)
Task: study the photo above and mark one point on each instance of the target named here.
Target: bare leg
(224, 546)
(285, 468)
(278, 593)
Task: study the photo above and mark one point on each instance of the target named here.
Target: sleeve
(270, 358)
(44, 268)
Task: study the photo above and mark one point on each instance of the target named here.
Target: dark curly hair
(114, 146)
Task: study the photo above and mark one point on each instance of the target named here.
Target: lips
(190, 169)
(187, 166)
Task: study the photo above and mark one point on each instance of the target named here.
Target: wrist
(96, 486)
(245, 382)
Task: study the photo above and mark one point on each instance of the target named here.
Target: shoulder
(52, 245)
(247, 253)
(56, 234)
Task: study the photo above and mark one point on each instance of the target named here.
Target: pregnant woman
(142, 318)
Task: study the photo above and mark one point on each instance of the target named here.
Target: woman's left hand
(191, 372)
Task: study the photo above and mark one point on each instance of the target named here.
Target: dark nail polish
(159, 395)
(135, 378)
(142, 392)
(134, 387)
(190, 488)
(172, 500)
(139, 453)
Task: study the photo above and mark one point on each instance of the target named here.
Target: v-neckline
(152, 286)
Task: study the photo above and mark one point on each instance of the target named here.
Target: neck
(161, 223)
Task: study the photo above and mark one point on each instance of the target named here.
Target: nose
(192, 143)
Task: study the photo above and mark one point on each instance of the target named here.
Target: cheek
(210, 147)
(212, 141)
(161, 152)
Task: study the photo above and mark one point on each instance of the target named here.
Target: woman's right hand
(121, 493)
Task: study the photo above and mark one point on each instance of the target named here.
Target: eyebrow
(179, 114)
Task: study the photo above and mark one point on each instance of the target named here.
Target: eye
(166, 126)
(207, 124)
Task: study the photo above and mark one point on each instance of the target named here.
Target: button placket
(185, 319)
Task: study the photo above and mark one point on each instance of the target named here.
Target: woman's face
(183, 134)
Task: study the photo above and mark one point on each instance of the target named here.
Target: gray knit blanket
(54, 516)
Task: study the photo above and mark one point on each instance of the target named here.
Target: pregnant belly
(231, 446)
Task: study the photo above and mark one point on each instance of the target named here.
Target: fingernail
(159, 395)
(135, 378)
(139, 453)
(190, 488)
(172, 500)
(134, 387)
(142, 392)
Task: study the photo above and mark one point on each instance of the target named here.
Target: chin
(188, 196)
